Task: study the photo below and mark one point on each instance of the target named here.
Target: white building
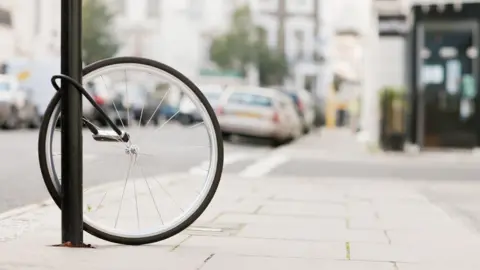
(293, 26)
(35, 28)
(175, 32)
(362, 65)
(7, 46)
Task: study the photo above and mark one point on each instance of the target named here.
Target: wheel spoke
(124, 188)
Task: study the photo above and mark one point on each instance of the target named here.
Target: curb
(94, 190)
(275, 158)
(25, 209)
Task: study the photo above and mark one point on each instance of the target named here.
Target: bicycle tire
(54, 191)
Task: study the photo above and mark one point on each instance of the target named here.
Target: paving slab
(235, 262)
(261, 223)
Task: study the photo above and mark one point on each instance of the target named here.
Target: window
(196, 8)
(212, 96)
(5, 17)
(153, 8)
(4, 86)
(301, 2)
(250, 99)
(121, 6)
(300, 39)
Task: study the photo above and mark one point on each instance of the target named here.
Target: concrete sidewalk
(270, 223)
(333, 140)
(343, 144)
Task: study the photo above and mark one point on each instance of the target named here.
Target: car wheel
(306, 129)
(158, 120)
(186, 120)
(275, 142)
(35, 122)
(123, 122)
(227, 136)
(13, 120)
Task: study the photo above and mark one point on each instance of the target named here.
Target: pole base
(70, 245)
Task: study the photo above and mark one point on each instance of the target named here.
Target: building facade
(32, 22)
(293, 27)
(177, 33)
(7, 46)
(355, 27)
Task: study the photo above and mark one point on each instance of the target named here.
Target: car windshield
(4, 86)
(250, 99)
(212, 96)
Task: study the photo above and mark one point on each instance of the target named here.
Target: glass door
(448, 75)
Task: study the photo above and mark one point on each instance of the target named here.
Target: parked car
(305, 106)
(213, 93)
(111, 99)
(188, 111)
(258, 112)
(143, 104)
(317, 103)
(16, 105)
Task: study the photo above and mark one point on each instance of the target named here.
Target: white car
(258, 112)
(188, 113)
(212, 92)
(305, 106)
(16, 105)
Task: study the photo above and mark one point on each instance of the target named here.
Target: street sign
(23, 75)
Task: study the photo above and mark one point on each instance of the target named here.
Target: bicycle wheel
(138, 153)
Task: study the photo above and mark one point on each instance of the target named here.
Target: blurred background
(324, 47)
(390, 77)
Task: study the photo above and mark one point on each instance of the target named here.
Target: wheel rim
(210, 175)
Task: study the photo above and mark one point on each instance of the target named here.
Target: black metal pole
(72, 156)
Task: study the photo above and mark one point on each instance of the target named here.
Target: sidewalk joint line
(205, 261)
(216, 217)
(347, 247)
(257, 210)
(181, 242)
(388, 237)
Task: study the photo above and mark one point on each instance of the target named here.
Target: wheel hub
(132, 150)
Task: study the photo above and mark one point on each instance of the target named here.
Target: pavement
(275, 215)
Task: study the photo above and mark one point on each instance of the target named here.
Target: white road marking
(264, 166)
(229, 159)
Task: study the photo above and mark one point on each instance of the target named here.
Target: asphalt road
(171, 149)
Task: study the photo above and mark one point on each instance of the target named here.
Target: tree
(98, 41)
(271, 63)
(245, 44)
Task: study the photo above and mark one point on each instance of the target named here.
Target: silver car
(16, 105)
(258, 112)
